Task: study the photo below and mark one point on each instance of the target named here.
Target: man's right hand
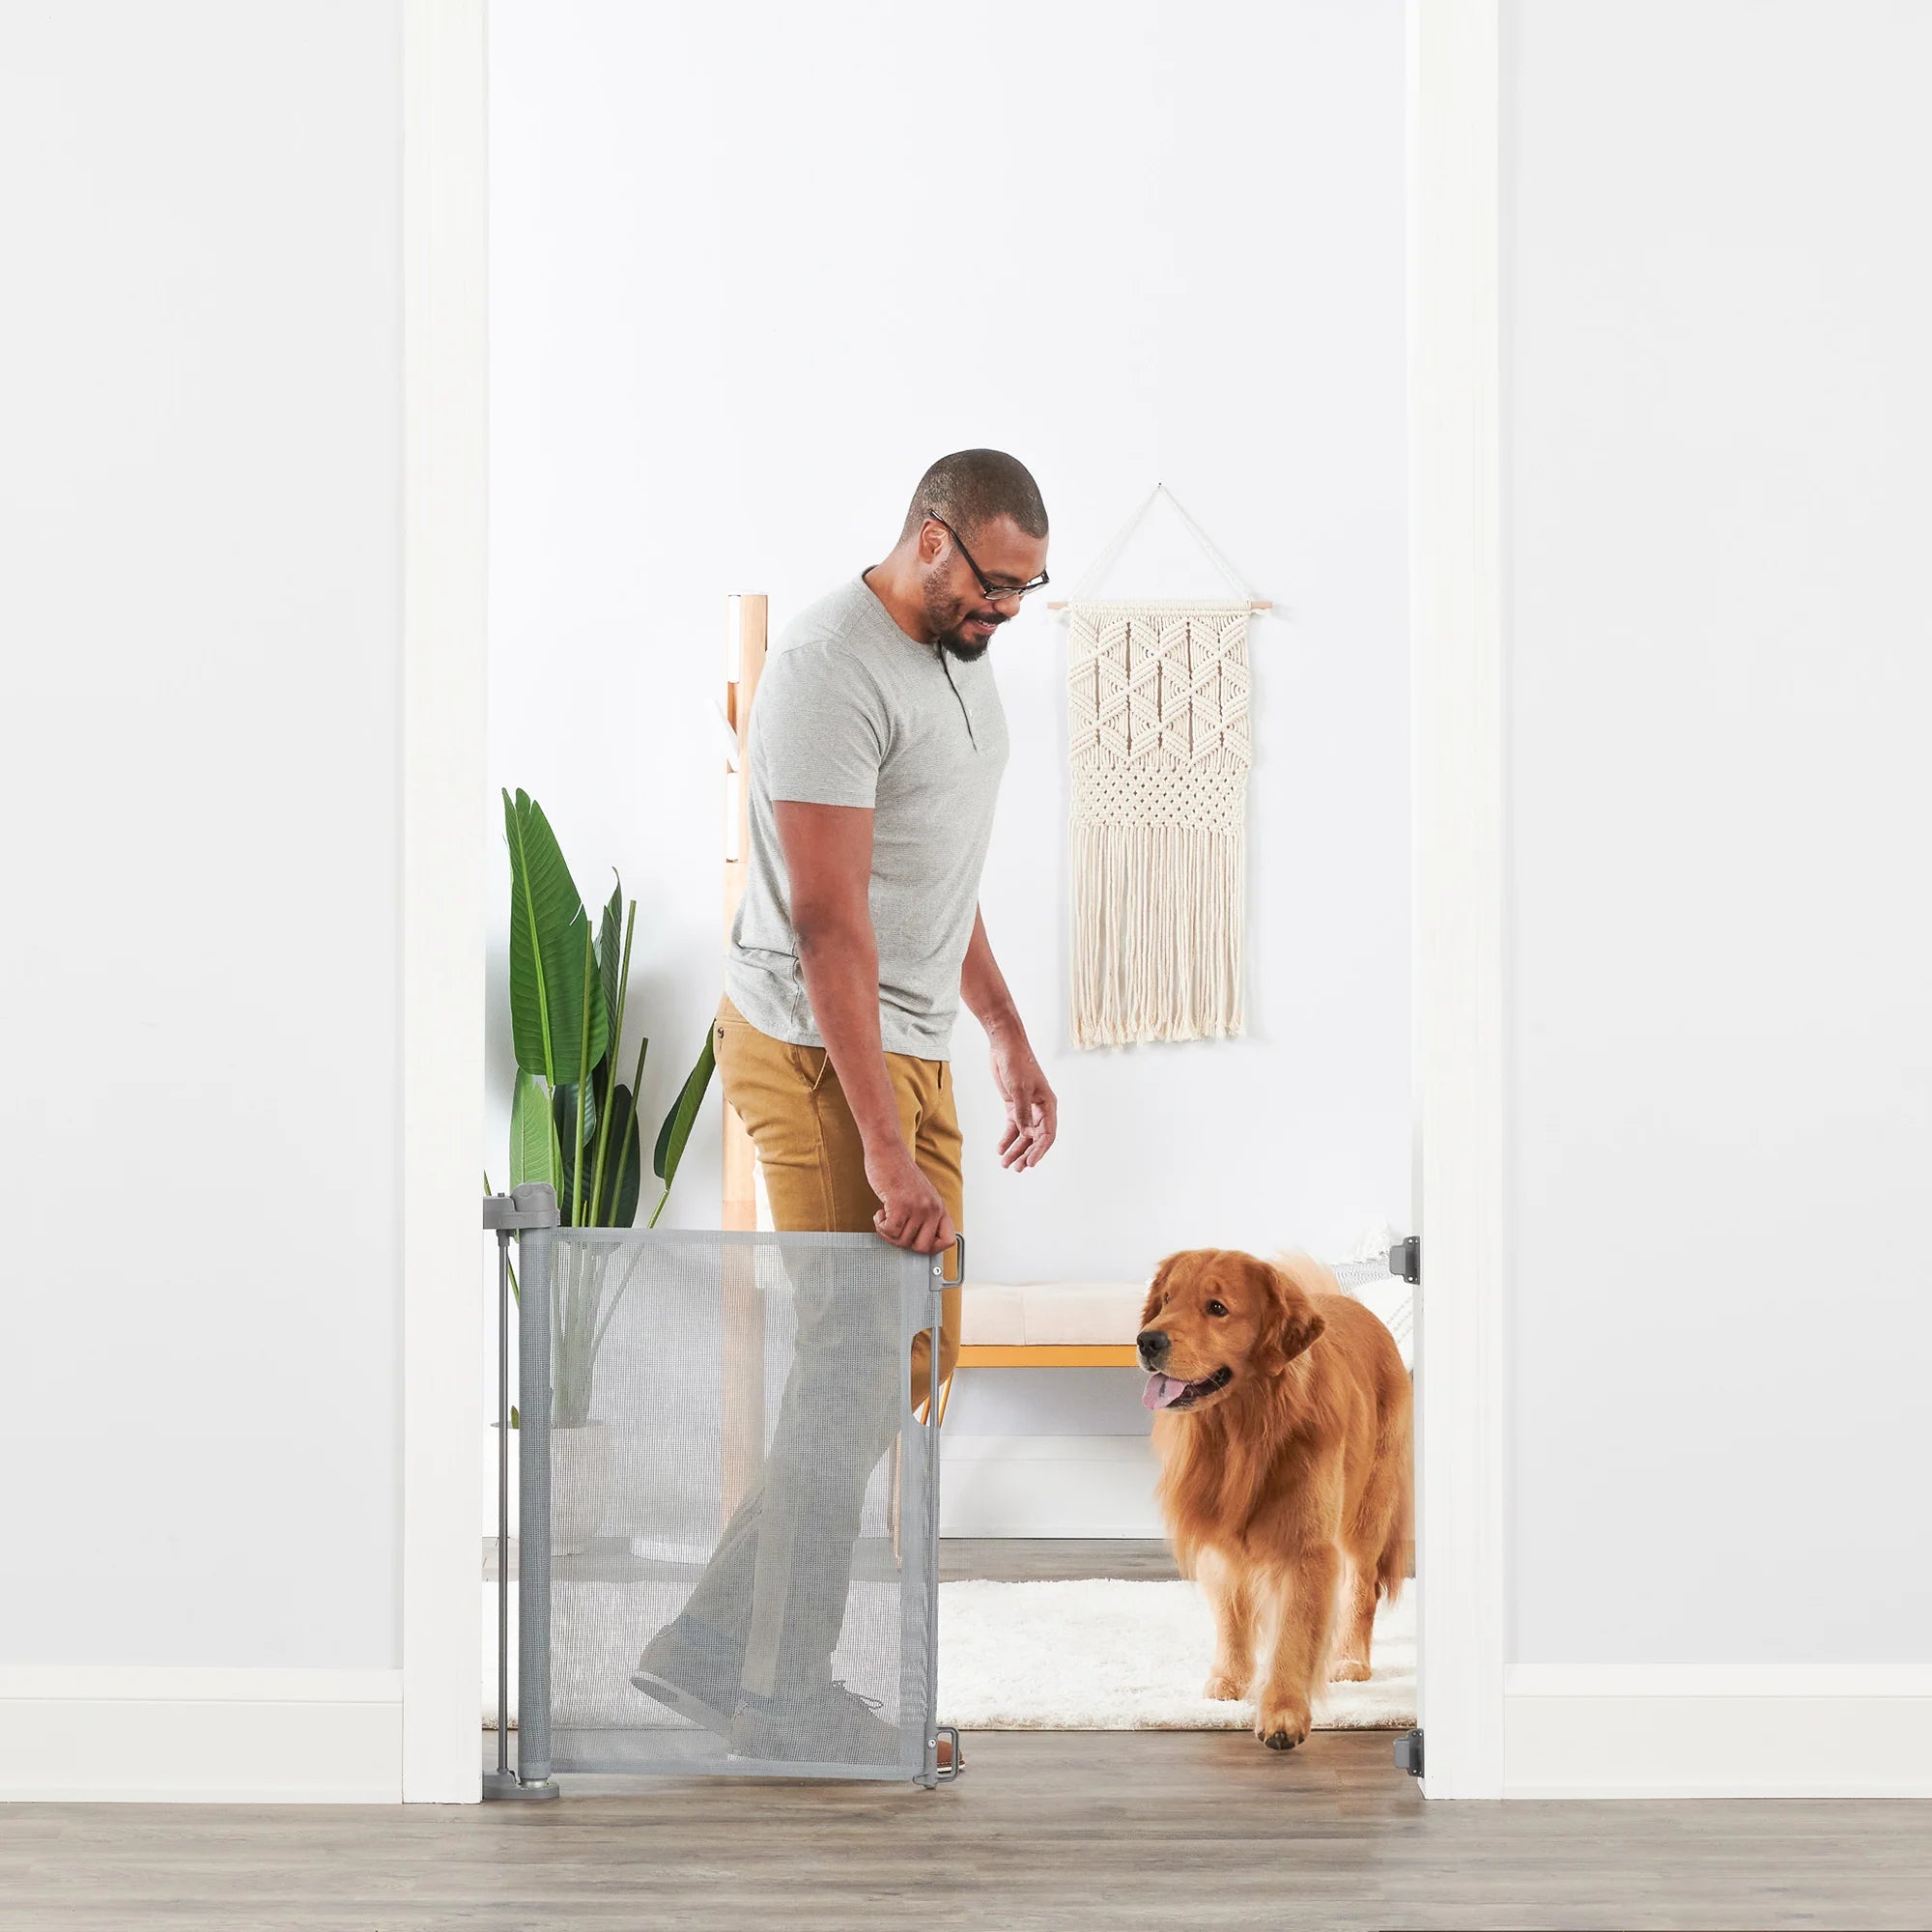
(911, 1215)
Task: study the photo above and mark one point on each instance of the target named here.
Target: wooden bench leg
(899, 1451)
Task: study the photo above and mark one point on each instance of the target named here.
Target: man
(877, 745)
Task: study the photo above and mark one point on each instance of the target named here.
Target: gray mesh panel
(743, 1521)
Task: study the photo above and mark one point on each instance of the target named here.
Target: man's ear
(1156, 1292)
(1292, 1326)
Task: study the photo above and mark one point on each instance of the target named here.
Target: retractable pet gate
(727, 1558)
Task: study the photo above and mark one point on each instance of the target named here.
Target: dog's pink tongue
(1161, 1391)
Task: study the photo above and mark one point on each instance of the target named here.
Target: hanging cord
(1230, 575)
(1105, 562)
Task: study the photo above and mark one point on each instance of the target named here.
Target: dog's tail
(1311, 1276)
(1395, 1451)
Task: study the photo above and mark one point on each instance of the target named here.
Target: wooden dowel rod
(1253, 603)
(742, 1308)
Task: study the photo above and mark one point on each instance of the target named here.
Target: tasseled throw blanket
(1159, 714)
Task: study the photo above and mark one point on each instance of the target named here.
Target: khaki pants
(772, 1598)
(794, 1109)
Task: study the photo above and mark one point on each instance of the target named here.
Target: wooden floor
(1074, 1831)
(1114, 1830)
(1023, 1559)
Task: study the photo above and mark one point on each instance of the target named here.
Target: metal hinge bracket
(533, 1205)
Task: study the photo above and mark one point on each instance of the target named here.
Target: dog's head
(1217, 1321)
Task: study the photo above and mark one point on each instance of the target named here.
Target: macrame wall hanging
(1159, 740)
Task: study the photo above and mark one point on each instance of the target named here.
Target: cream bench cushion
(1051, 1314)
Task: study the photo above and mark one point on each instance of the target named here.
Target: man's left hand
(1032, 1114)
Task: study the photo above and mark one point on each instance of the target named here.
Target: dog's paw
(1282, 1726)
(1224, 1689)
(1348, 1670)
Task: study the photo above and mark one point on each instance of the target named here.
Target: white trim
(1733, 1730)
(194, 1684)
(143, 1745)
(1777, 1742)
(444, 671)
(1457, 720)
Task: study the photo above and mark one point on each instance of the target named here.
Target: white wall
(753, 269)
(199, 476)
(1718, 302)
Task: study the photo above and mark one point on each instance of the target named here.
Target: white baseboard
(1073, 1485)
(1716, 1731)
(194, 1735)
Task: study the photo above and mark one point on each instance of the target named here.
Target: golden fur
(1286, 1485)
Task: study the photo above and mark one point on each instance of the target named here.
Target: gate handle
(959, 1259)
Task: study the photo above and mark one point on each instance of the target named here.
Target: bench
(1048, 1324)
(1091, 1324)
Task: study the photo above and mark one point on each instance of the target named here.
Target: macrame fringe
(1157, 939)
(1157, 702)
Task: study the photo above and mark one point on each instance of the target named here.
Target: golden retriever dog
(1282, 1422)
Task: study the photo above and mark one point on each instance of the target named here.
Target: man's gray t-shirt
(852, 711)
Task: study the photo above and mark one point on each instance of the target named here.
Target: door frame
(1457, 723)
(445, 673)
(1457, 763)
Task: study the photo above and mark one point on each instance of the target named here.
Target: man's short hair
(972, 486)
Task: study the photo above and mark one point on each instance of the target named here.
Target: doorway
(1448, 620)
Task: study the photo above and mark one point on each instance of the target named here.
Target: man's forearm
(840, 963)
(983, 986)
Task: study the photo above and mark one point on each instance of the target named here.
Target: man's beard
(949, 631)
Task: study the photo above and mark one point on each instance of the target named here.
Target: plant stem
(582, 1081)
(630, 1128)
(557, 1299)
(637, 1256)
(611, 1085)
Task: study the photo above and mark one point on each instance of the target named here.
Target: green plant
(573, 1122)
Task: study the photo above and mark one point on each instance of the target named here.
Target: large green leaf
(601, 1215)
(603, 1171)
(533, 1149)
(678, 1123)
(563, 1107)
(592, 1004)
(567, 1199)
(549, 932)
(622, 1211)
(629, 1146)
(611, 963)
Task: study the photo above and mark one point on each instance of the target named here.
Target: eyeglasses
(995, 593)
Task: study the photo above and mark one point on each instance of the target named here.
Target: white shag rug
(1117, 1655)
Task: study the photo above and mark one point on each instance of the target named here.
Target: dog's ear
(1156, 1291)
(1291, 1326)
